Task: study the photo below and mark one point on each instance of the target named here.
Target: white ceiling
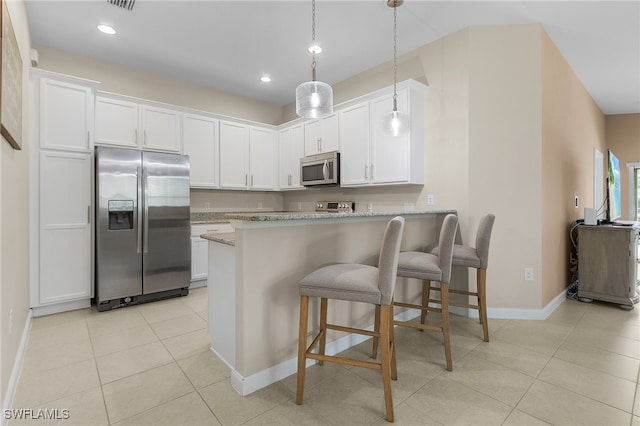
(227, 44)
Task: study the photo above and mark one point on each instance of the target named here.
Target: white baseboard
(17, 368)
(246, 385)
(39, 311)
(527, 314)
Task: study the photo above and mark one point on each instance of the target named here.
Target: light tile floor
(151, 365)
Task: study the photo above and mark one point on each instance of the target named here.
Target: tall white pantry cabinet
(61, 188)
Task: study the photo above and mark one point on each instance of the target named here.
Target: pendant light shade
(314, 98)
(396, 122)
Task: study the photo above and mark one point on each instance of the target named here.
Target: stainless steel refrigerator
(143, 246)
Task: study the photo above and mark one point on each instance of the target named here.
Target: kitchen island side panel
(270, 261)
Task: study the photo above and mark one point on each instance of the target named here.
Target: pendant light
(396, 122)
(314, 98)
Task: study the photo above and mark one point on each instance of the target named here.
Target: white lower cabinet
(65, 227)
(200, 250)
(199, 259)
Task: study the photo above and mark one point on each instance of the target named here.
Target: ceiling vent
(125, 4)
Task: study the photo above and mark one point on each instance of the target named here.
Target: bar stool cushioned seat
(356, 283)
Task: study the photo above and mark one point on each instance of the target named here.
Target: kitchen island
(253, 277)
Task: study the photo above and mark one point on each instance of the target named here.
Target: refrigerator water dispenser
(120, 214)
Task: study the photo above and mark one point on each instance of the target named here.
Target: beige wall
(142, 84)
(504, 157)
(573, 127)
(224, 200)
(14, 230)
(623, 138)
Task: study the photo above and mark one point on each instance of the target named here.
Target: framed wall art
(11, 87)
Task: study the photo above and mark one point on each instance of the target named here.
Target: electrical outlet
(528, 274)
(576, 201)
(369, 207)
(430, 199)
(207, 206)
(408, 207)
(259, 205)
(299, 205)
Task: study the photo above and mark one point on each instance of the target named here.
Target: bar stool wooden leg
(376, 328)
(444, 306)
(392, 338)
(386, 350)
(482, 302)
(426, 293)
(323, 327)
(302, 347)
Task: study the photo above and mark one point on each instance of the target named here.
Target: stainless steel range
(335, 206)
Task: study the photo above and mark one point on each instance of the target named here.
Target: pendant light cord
(313, 39)
(395, 52)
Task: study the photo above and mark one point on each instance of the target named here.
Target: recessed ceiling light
(107, 29)
(265, 79)
(315, 49)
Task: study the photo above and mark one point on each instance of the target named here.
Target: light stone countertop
(277, 216)
(228, 238)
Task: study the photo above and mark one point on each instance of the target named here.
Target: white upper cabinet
(129, 123)
(355, 152)
(321, 135)
(291, 149)
(372, 156)
(66, 115)
(262, 159)
(248, 157)
(234, 155)
(116, 122)
(160, 129)
(200, 143)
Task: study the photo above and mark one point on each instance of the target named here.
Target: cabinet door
(354, 156)
(321, 135)
(291, 149)
(65, 228)
(116, 122)
(330, 133)
(262, 158)
(66, 115)
(160, 129)
(234, 155)
(312, 132)
(200, 143)
(389, 154)
(199, 258)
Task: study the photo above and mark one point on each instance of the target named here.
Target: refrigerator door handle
(139, 238)
(145, 235)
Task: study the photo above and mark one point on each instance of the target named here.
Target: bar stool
(356, 283)
(474, 257)
(432, 267)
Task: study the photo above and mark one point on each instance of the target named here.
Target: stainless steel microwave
(320, 169)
